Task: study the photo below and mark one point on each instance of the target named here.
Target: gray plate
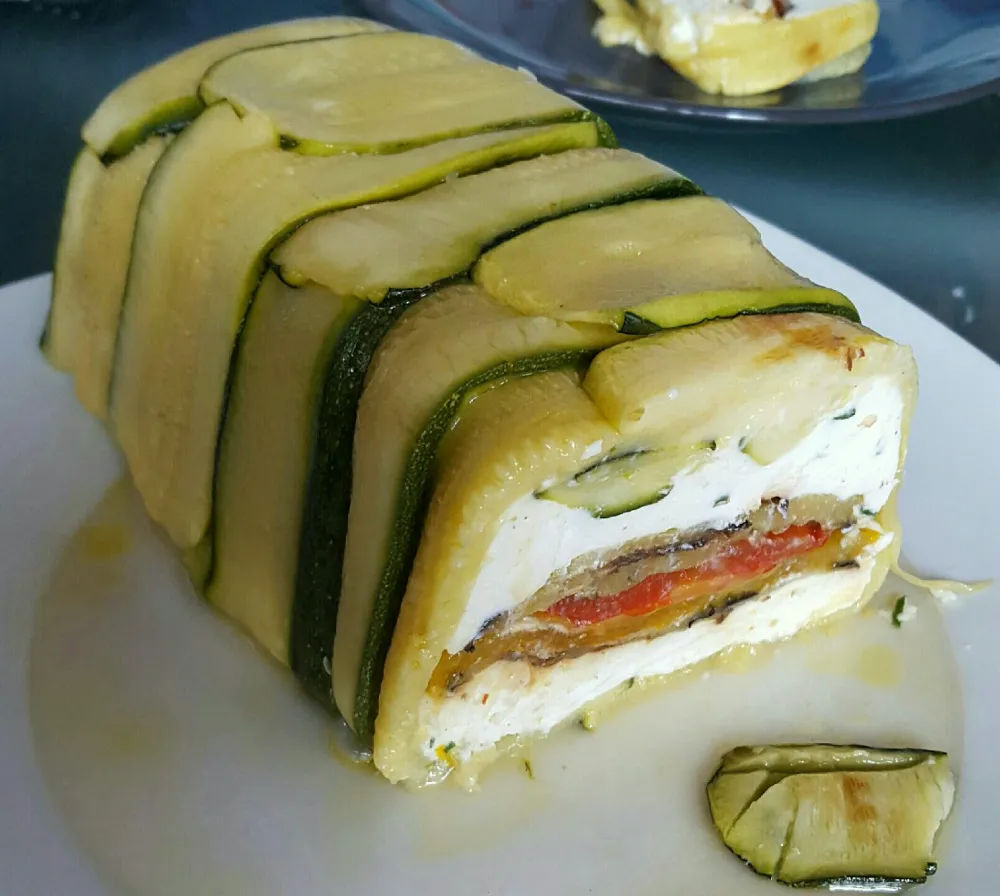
(927, 54)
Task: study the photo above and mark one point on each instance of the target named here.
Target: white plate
(146, 748)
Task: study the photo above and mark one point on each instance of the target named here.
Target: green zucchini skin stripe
(328, 493)
(606, 137)
(636, 325)
(172, 120)
(675, 189)
(411, 508)
(672, 189)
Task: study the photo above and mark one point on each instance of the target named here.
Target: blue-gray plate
(927, 54)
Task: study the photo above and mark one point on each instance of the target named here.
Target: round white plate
(146, 747)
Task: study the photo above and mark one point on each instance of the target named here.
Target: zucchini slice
(221, 198)
(459, 341)
(328, 495)
(95, 240)
(363, 251)
(506, 439)
(360, 251)
(759, 380)
(166, 94)
(380, 92)
(626, 481)
(649, 265)
(265, 452)
(836, 816)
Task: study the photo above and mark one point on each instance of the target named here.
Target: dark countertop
(915, 203)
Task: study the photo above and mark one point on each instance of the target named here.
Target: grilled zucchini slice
(91, 263)
(392, 254)
(264, 455)
(831, 815)
(459, 341)
(626, 481)
(411, 243)
(380, 93)
(649, 265)
(165, 95)
(225, 194)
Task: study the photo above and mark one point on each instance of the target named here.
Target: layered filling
(528, 690)
(570, 603)
(655, 586)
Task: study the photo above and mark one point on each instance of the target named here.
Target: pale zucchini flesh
(380, 93)
(264, 453)
(95, 241)
(180, 321)
(429, 237)
(834, 816)
(670, 263)
(63, 323)
(459, 340)
(166, 94)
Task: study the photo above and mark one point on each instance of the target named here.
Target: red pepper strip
(743, 559)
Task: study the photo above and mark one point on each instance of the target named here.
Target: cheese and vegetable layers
(460, 411)
(744, 47)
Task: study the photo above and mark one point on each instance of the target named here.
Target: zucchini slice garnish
(381, 93)
(833, 816)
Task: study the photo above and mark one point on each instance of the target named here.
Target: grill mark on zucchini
(781, 762)
(411, 507)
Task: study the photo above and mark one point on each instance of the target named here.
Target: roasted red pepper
(734, 562)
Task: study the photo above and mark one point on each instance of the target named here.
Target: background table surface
(915, 203)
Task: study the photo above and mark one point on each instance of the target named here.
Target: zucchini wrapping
(457, 409)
